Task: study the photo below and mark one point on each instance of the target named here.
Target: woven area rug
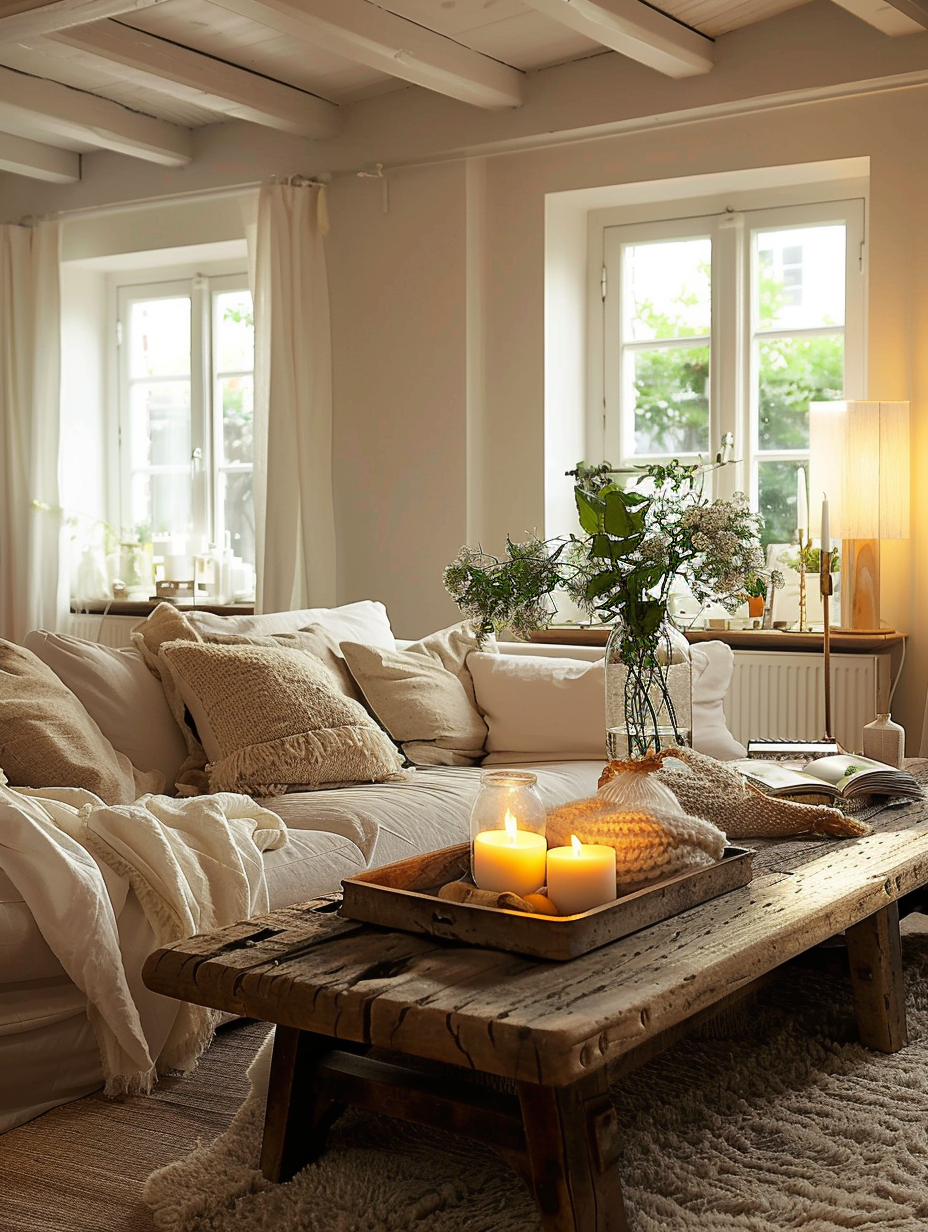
(775, 1119)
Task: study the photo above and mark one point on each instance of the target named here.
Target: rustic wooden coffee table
(345, 994)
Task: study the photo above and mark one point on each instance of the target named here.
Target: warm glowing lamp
(859, 459)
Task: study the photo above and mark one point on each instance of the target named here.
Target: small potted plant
(755, 591)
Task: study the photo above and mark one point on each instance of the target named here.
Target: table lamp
(859, 460)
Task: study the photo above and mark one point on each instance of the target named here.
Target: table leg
(298, 1117)
(572, 1150)
(874, 948)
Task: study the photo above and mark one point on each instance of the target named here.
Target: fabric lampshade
(860, 460)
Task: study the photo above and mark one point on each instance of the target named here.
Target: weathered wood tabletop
(556, 1029)
(533, 1020)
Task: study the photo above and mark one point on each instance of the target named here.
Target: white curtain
(294, 513)
(31, 591)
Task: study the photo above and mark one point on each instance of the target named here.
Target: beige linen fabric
(424, 696)
(166, 624)
(47, 738)
(271, 718)
(120, 694)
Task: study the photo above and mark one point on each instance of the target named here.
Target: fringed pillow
(273, 719)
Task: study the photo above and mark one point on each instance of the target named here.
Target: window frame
(729, 220)
(201, 283)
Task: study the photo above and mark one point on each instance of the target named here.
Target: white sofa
(538, 707)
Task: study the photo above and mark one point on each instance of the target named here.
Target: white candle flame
(575, 844)
(512, 826)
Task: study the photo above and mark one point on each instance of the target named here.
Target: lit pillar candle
(510, 859)
(580, 876)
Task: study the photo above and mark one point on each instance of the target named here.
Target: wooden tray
(405, 896)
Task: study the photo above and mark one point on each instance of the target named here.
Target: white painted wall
(399, 329)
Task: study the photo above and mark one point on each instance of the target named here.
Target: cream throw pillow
(541, 708)
(272, 718)
(167, 624)
(424, 695)
(120, 694)
(47, 738)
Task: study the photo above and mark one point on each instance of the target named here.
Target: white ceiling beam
(369, 35)
(30, 104)
(61, 14)
(38, 161)
(893, 17)
(635, 30)
(221, 87)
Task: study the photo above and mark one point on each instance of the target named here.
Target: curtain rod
(142, 203)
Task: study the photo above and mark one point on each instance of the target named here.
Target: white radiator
(782, 695)
(107, 630)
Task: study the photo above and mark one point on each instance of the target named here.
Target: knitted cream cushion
(424, 696)
(315, 640)
(47, 738)
(272, 718)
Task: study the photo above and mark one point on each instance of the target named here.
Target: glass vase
(507, 833)
(649, 692)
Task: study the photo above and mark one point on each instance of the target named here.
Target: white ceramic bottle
(884, 740)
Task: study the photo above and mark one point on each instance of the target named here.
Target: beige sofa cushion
(120, 694)
(166, 624)
(424, 695)
(272, 718)
(47, 738)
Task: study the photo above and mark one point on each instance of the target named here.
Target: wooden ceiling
(140, 76)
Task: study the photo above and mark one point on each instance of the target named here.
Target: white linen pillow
(554, 709)
(548, 706)
(365, 621)
(713, 665)
(423, 696)
(120, 694)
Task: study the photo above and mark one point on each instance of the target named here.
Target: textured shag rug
(775, 1119)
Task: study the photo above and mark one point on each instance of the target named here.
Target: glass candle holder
(508, 849)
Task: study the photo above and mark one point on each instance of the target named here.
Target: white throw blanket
(195, 865)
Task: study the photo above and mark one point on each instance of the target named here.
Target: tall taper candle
(802, 505)
(826, 529)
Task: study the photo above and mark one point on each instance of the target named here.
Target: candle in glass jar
(510, 859)
(580, 876)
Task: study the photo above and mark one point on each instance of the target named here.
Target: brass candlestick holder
(825, 584)
(803, 547)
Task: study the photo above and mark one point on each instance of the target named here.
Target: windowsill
(144, 607)
(739, 639)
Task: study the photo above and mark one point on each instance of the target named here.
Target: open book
(828, 780)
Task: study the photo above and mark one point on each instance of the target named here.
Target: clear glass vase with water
(649, 693)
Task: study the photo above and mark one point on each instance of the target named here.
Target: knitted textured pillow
(272, 718)
(47, 738)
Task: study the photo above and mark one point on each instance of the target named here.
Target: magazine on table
(827, 779)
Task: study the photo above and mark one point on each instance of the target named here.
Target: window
(185, 409)
(725, 325)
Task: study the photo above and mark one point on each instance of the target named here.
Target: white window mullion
(200, 403)
(727, 401)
